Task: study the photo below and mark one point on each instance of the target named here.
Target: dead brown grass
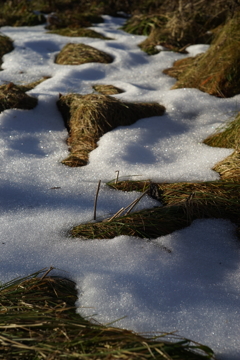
(229, 168)
(182, 204)
(88, 117)
(79, 32)
(6, 45)
(177, 24)
(107, 89)
(13, 96)
(39, 321)
(228, 137)
(19, 13)
(32, 85)
(217, 71)
(77, 54)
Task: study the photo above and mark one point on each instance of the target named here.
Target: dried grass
(107, 89)
(74, 17)
(13, 96)
(19, 13)
(182, 203)
(6, 45)
(88, 117)
(228, 137)
(177, 24)
(77, 54)
(229, 168)
(79, 32)
(39, 321)
(217, 71)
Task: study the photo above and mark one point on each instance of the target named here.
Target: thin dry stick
(116, 180)
(130, 207)
(47, 272)
(95, 202)
(136, 201)
(115, 215)
(119, 212)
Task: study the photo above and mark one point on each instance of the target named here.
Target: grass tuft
(19, 13)
(107, 89)
(39, 321)
(6, 46)
(13, 96)
(178, 24)
(88, 117)
(182, 204)
(79, 32)
(228, 137)
(217, 75)
(77, 54)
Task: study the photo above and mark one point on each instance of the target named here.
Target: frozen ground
(194, 287)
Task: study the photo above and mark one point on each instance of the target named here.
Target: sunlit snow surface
(187, 281)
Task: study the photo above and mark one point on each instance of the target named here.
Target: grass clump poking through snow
(79, 32)
(76, 54)
(182, 204)
(107, 89)
(228, 137)
(177, 24)
(39, 321)
(6, 45)
(13, 96)
(88, 117)
(217, 71)
(19, 13)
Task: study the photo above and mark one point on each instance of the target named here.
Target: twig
(134, 203)
(118, 213)
(95, 202)
(47, 272)
(128, 207)
(116, 180)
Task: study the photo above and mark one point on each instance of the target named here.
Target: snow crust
(187, 281)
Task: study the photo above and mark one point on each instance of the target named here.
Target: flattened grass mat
(182, 203)
(39, 321)
(88, 117)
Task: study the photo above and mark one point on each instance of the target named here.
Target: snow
(187, 281)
